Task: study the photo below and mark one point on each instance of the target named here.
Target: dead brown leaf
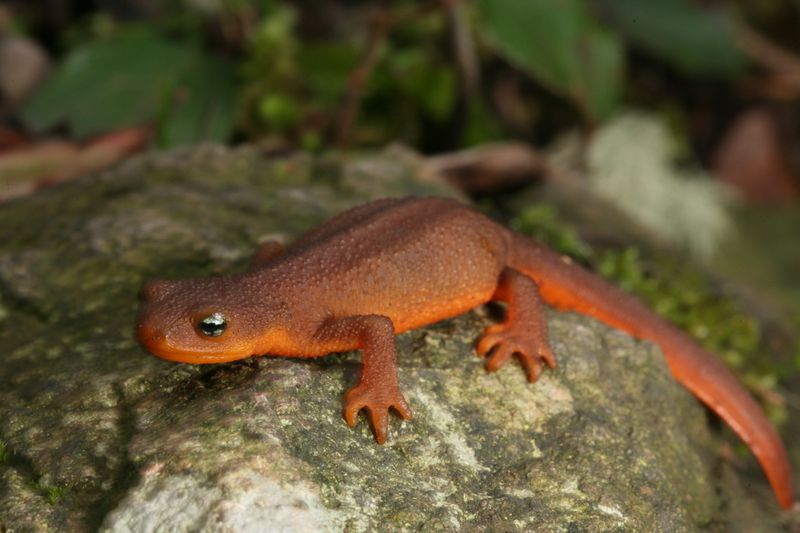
(29, 168)
(751, 159)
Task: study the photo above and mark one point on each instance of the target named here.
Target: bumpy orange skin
(397, 264)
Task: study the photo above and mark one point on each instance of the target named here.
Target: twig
(360, 75)
(784, 64)
(464, 47)
(494, 166)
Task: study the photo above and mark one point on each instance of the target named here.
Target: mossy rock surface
(95, 433)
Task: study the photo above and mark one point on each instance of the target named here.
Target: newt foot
(377, 404)
(504, 340)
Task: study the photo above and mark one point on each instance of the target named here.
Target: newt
(392, 265)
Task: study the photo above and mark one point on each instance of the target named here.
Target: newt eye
(213, 325)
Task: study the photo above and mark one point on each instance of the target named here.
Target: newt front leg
(377, 389)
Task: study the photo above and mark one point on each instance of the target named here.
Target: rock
(95, 433)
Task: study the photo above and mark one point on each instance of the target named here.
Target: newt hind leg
(524, 331)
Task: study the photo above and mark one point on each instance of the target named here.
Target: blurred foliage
(292, 73)
(294, 88)
(136, 77)
(699, 42)
(562, 45)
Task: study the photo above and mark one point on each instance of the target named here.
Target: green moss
(53, 494)
(3, 453)
(541, 222)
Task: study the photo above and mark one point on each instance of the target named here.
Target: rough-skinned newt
(397, 264)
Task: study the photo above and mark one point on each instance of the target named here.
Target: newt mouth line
(156, 347)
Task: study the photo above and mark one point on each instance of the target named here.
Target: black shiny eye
(213, 325)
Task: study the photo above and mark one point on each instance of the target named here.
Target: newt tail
(569, 287)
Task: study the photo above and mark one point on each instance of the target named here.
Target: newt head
(201, 321)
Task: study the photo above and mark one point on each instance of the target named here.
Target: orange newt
(397, 264)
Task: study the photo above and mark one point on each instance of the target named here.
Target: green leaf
(134, 78)
(481, 126)
(697, 41)
(326, 67)
(602, 64)
(202, 104)
(430, 84)
(279, 110)
(560, 44)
